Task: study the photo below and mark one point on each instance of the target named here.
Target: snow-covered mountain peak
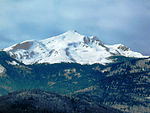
(68, 47)
(72, 38)
(119, 46)
(67, 37)
(71, 32)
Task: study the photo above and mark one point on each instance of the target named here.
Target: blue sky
(113, 21)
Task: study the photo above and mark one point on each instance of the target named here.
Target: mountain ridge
(38, 101)
(68, 47)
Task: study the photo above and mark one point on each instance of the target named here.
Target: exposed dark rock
(25, 46)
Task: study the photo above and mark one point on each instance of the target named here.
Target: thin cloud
(114, 21)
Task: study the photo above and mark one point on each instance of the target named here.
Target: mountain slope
(68, 47)
(123, 85)
(38, 101)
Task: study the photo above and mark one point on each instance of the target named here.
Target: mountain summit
(68, 47)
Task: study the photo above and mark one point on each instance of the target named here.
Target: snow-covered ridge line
(68, 47)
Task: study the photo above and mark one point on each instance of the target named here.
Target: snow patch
(12, 63)
(2, 70)
(148, 97)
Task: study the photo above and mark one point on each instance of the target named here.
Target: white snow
(128, 53)
(148, 97)
(70, 47)
(12, 63)
(2, 69)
